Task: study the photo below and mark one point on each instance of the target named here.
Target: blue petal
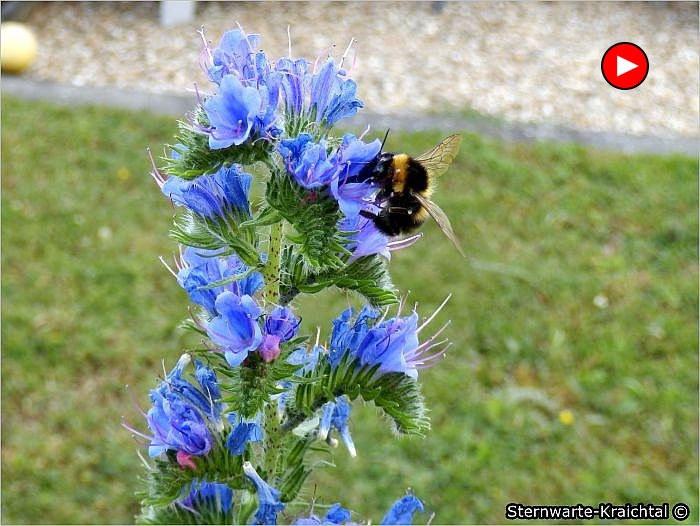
(231, 112)
(236, 327)
(269, 503)
(282, 322)
(402, 511)
(337, 515)
(326, 417)
(344, 104)
(323, 84)
(207, 495)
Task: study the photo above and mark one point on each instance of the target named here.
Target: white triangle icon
(623, 66)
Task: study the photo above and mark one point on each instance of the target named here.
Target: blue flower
(389, 344)
(308, 161)
(267, 117)
(212, 195)
(211, 496)
(312, 167)
(205, 400)
(336, 515)
(282, 322)
(291, 76)
(392, 344)
(201, 268)
(331, 97)
(248, 96)
(353, 155)
(243, 431)
(176, 425)
(305, 358)
(235, 327)
(402, 511)
(232, 112)
(206, 378)
(348, 337)
(269, 503)
(176, 416)
(337, 415)
(366, 238)
(234, 55)
(292, 149)
(180, 414)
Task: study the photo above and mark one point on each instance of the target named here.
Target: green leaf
(398, 396)
(167, 480)
(314, 215)
(251, 386)
(368, 275)
(195, 230)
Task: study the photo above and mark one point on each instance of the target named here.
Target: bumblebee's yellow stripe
(399, 166)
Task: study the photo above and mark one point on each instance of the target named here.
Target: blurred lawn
(580, 295)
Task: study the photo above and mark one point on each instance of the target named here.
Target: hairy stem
(272, 441)
(271, 294)
(271, 270)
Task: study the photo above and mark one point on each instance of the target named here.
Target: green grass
(87, 308)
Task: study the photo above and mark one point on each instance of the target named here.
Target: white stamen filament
(162, 260)
(143, 460)
(205, 43)
(347, 50)
(426, 322)
(364, 132)
(402, 302)
(134, 431)
(427, 342)
(404, 243)
(159, 179)
(380, 320)
(418, 350)
(423, 363)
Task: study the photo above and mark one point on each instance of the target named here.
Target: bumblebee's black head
(377, 170)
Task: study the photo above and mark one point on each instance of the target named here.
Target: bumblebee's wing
(441, 219)
(437, 160)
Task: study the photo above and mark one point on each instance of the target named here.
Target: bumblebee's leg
(368, 214)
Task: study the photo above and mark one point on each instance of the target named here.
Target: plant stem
(271, 271)
(271, 294)
(272, 441)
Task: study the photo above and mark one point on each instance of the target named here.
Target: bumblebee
(406, 185)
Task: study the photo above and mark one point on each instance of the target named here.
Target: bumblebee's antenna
(385, 136)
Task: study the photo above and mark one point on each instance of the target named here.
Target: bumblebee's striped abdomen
(408, 174)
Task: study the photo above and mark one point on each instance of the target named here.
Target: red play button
(625, 65)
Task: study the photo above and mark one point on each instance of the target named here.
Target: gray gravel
(526, 62)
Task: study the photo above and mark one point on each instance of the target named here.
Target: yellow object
(566, 417)
(18, 47)
(123, 174)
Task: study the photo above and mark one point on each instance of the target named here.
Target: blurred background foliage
(573, 378)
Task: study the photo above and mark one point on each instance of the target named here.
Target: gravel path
(527, 62)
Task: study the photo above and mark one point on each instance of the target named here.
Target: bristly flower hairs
(237, 426)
